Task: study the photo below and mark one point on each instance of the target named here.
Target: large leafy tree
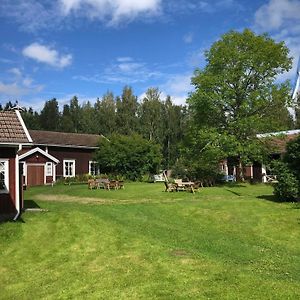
(236, 93)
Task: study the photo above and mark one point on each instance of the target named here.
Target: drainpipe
(17, 185)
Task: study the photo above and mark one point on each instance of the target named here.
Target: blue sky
(61, 48)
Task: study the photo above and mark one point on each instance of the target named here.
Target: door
(35, 175)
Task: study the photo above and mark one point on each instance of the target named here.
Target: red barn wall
(81, 157)
(8, 201)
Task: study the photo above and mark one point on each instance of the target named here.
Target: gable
(35, 153)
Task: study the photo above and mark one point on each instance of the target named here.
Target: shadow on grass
(233, 192)
(273, 198)
(30, 204)
(232, 185)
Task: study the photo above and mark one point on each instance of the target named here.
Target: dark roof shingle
(11, 129)
(64, 139)
(277, 144)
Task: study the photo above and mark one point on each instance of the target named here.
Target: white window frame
(73, 167)
(90, 168)
(6, 176)
(49, 169)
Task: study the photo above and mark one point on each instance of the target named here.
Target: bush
(287, 187)
(128, 156)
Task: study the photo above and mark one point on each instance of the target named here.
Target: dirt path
(89, 200)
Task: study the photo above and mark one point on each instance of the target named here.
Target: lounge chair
(170, 187)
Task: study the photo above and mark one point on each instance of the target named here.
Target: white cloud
(277, 13)
(281, 18)
(11, 89)
(188, 38)
(45, 54)
(124, 59)
(19, 85)
(15, 71)
(177, 86)
(111, 11)
(124, 70)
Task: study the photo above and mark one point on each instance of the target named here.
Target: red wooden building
(58, 155)
(13, 136)
(259, 172)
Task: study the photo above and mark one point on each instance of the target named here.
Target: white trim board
(37, 149)
(24, 126)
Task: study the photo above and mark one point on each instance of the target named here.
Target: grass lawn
(231, 242)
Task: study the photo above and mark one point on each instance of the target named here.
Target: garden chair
(92, 184)
(179, 185)
(120, 184)
(113, 184)
(170, 187)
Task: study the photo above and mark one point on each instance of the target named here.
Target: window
(3, 176)
(49, 169)
(69, 168)
(94, 168)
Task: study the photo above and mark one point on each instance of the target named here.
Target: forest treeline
(156, 119)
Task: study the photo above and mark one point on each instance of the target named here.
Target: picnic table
(184, 185)
(104, 183)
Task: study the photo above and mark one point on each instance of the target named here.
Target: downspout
(17, 185)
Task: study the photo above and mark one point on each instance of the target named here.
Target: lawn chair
(120, 184)
(179, 185)
(92, 184)
(197, 185)
(170, 187)
(113, 184)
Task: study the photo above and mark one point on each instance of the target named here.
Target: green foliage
(151, 115)
(235, 93)
(31, 118)
(287, 187)
(130, 156)
(292, 156)
(105, 115)
(127, 107)
(202, 153)
(50, 116)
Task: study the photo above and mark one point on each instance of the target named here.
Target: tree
(105, 114)
(66, 124)
(236, 92)
(31, 119)
(127, 107)
(50, 116)
(75, 114)
(151, 118)
(130, 156)
(288, 173)
(174, 126)
(87, 118)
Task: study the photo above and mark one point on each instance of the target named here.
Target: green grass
(231, 242)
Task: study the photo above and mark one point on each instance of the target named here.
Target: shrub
(287, 187)
(128, 156)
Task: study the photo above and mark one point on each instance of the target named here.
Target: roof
(12, 129)
(277, 141)
(64, 139)
(287, 132)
